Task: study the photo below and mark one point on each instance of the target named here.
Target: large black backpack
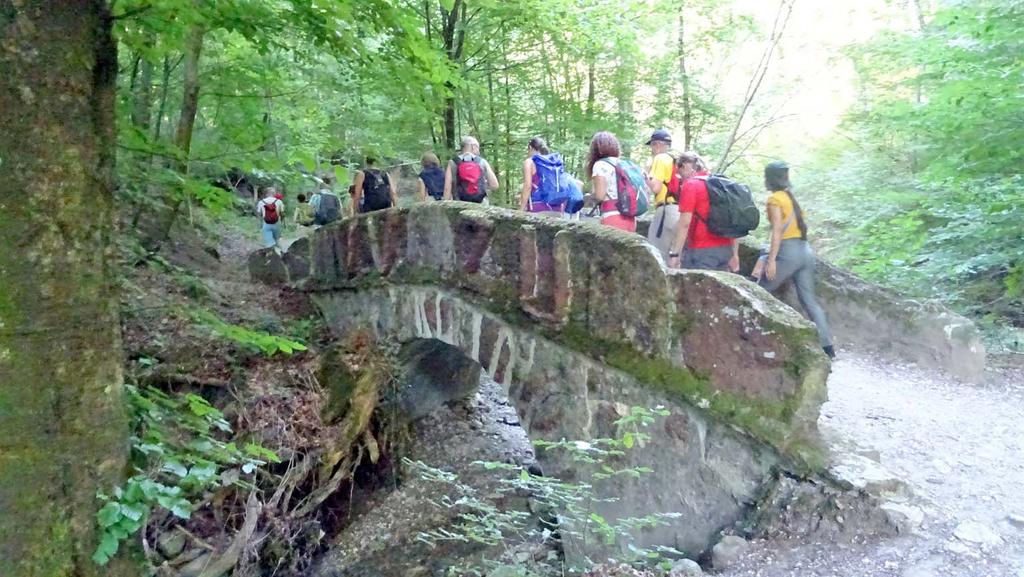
(732, 212)
(376, 191)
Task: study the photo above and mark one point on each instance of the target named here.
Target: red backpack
(469, 182)
(674, 186)
(270, 215)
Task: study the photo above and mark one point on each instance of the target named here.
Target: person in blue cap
(789, 254)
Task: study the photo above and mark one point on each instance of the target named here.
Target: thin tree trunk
(591, 96)
(509, 198)
(162, 109)
(142, 97)
(183, 134)
(190, 96)
(778, 28)
(63, 428)
(687, 106)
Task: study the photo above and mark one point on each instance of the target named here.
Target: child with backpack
(619, 185)
(547, 187)
(271, 211)
(469, 176)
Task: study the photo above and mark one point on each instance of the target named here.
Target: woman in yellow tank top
(790, 256)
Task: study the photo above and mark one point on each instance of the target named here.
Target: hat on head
(662, 135)
(776, 167)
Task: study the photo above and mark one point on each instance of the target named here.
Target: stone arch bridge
(579, 322)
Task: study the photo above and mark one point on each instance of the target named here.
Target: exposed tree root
(283, 522)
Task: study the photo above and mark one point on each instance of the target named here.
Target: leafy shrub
(179, 454)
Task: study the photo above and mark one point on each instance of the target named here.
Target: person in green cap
(789, 254)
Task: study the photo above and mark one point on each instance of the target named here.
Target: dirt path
(958, 448)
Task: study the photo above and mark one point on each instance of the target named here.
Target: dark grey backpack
(329, 209)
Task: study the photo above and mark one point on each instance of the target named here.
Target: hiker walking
(373, 189)
(789, 254)
(326, 205)
(271, 211)
(431, 178)
(547, 188)
(468, 176)
(619, 185)
(304, 213)
(694, 245)
(664, 182)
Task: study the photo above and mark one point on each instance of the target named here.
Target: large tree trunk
(63, 431)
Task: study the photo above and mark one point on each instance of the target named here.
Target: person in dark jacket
(431, 178)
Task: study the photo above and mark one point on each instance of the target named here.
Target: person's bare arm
(357, 192)
(421, 190)
(734, 262)
(394, 191)
(775, 217)
(492, 179)
(448, 182)
(600, 187)
(679, 242)
(524, 196)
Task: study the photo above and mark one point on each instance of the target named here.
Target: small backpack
(433, 181)
(634, 197)
(674, 186)
(732, 212)
(552, 180)
(270, 215)
(329, 208)
(470, 183)
(576, 200)
(376, 191)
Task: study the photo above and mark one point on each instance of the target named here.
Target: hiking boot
(830, 351)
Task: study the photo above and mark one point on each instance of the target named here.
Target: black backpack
(376, 191)
(732, 212)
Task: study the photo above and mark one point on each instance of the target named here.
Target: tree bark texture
(687, 107)
(142, 97)
(63, 431)
(190, 96)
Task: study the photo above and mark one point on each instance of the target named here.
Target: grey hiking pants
(711, 258)
(796, 260)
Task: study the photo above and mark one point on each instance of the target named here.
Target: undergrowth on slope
(179, 452)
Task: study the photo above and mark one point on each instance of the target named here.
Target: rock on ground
(726, 552)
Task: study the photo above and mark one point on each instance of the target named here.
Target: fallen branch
(229, 559)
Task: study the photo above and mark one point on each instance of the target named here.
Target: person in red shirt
(696, 247)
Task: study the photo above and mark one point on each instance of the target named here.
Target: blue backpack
(554, 184)
(576, 200)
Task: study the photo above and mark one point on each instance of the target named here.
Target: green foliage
(572, 503)
(927, 193)
(261, 341)
(179, 453)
